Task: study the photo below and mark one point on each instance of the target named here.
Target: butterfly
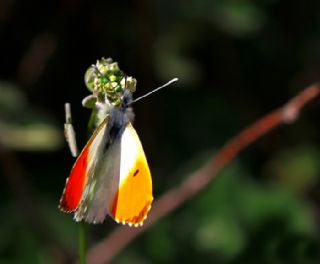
(111, 175)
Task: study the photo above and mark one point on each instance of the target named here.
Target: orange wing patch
(134, 197)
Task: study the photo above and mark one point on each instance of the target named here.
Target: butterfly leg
(69, 133)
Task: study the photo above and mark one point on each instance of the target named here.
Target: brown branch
(109, 247)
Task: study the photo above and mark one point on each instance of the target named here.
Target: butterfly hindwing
(82, 170)
(101, 187)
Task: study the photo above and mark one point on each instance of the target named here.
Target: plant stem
(82, 242)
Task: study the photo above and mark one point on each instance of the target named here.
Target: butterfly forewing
(134, 196)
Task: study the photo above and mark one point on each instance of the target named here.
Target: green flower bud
(131, 84)
(113, 78)
(114, 67)
(89, 78)
(117, 102)
(89, 101)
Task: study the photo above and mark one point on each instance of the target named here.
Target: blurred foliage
(235, 59)
(21, 126)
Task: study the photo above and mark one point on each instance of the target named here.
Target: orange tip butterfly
(111, 175)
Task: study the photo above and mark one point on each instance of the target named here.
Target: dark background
(236, 61)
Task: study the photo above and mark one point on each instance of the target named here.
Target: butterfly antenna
(155, 90)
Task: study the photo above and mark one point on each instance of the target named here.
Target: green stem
(82, 224)
(82, 242)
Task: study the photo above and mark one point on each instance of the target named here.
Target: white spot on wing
(130, 148)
